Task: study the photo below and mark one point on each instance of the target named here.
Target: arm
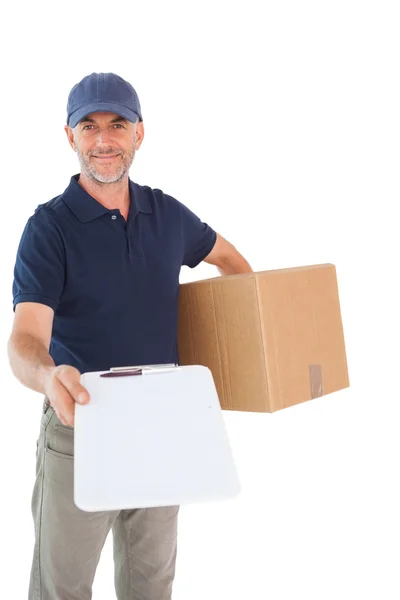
(201, 242)
(227, 259)
(37, 288)
(31, 363)
(28, 346)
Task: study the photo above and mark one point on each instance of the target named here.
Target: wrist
(45, 372)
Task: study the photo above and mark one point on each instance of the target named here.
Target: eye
(118, 125)
(84, 127)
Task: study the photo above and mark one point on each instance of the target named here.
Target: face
(106, 144)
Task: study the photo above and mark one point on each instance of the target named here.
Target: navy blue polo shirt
(113, 284)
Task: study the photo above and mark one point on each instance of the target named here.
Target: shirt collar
(87, 208)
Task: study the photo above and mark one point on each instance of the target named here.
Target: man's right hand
(63, 388)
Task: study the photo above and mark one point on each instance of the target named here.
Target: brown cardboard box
(271, 339)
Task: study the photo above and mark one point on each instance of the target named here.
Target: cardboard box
(271, 339)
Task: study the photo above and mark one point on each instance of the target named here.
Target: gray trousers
(69, 541)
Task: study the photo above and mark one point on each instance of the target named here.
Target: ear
(139, 134)
(70, 136)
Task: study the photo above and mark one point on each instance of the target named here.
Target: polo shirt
(113, 284)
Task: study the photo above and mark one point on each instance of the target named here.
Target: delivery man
(95, 286)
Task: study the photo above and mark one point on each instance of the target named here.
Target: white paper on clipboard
(154, 440)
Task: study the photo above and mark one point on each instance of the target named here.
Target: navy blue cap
(102, 92)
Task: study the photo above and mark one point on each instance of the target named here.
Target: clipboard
(155, 439)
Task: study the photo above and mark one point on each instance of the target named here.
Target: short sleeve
(198, 238)
(39, 271)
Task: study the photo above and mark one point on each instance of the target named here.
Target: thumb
(83, 396)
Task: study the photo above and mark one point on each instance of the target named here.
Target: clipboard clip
(140, 370)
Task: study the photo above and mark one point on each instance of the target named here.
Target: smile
(106, 157)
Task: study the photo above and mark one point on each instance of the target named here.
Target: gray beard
(89, 169)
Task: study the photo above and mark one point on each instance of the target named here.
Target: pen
(137, 367)
(121, 373)
(138, 372)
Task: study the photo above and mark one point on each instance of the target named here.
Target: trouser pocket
(60, 438)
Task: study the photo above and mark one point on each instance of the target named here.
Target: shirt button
(114, 217)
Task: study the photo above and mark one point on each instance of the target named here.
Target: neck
(110, 195)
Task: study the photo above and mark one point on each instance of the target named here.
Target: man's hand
(63, 388)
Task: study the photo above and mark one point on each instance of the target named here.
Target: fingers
(67, 390)
(70, 379)
(64, 407)
(69, 421)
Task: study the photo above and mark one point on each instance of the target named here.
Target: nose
(103, 136)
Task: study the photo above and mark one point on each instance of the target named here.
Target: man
(96, 286)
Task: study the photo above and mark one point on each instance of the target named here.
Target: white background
(278, 124)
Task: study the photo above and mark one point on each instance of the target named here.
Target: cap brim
(118, 109)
